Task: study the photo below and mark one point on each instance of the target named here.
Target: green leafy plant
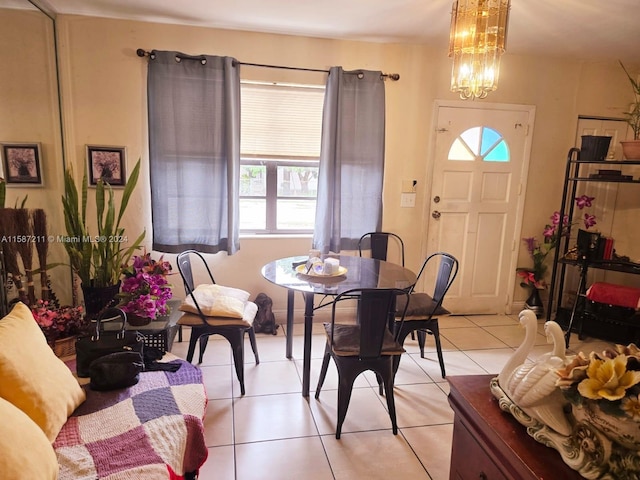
(633, 115)
(98, 259)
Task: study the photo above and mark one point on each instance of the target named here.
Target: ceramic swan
(532, 385)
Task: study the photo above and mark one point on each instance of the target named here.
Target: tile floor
(273, 433)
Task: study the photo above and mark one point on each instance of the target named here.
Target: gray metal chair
(366, 342)
(382, 245)
(200, 330)
(421, 312)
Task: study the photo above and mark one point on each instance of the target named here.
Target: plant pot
(534, 303)
(594, 148)
(64, 347)
(631, 149)
(137, 321)
(98, 298)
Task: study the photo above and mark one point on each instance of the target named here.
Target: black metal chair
(422, 311)
(366, 342)
(233, 329)
(382, 244)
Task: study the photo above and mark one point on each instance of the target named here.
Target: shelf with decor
(583, 251)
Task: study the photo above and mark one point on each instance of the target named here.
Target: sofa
(55, 428)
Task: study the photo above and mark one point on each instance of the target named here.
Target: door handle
(436, 199)
(435, 214)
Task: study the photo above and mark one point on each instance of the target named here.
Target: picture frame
(21, 164)
(106, 164)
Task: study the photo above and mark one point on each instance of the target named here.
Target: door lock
(435, 214)
(436, 199)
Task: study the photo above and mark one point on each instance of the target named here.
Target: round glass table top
(360, 273)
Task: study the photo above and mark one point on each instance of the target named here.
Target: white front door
(477, 194)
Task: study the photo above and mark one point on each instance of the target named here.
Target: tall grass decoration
(8, 227)
(39, 221)
(24, 246)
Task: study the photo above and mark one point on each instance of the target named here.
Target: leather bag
(103, 342)
(116, 370)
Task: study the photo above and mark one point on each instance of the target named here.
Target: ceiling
(583, 29)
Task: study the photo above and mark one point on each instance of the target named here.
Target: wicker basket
(65, 347)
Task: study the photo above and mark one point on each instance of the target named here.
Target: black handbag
(103, 342)
(116, 370)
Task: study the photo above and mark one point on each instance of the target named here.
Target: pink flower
(589, 220)
(584, 201)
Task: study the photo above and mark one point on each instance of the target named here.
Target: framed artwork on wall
(106, 164)
(21, 164)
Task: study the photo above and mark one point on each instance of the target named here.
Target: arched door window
(479, 143)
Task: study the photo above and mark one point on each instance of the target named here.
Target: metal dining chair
(421, 312)
(364, 342)
(202, 325)
(383, 245)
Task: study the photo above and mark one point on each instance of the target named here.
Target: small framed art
(21, 163)
(106, 164)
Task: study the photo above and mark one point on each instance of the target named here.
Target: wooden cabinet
(489, 444)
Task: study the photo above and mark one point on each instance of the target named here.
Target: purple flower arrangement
(145, 289)
(534, 277)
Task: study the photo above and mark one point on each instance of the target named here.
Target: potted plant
(631, 148)
(145, 289)
(97, 259)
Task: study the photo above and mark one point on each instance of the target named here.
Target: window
(482, 143)
(280, 147)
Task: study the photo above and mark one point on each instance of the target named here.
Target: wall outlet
(407, 200)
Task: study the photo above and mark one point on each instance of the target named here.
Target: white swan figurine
(532, 385)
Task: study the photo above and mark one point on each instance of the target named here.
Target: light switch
(407, 200)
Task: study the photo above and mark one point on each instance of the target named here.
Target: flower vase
(617, 425)
(534, 302)
(98, 298)
(137, 321)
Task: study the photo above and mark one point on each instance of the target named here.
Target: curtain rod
(143, 53)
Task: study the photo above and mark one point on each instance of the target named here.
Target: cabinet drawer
(468, 460)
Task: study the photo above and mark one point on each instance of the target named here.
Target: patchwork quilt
(152, 430)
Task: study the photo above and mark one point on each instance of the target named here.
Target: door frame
(522, 188)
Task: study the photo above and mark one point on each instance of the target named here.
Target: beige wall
(104, 103)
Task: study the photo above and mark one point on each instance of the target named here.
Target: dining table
(354, 272)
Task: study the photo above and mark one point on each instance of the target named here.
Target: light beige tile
(268, 378)
(432, 444)
(218, 380)
(456, 363)
(472, 338)
(218, 352)
(372, 455)
(331, 379)
(411, 346)
(220, 464)
(270, 347)
(514, 335)
(366, 411)
(272, 417)
(492, 320)
(419, 405)
(454, 321)
(318, 341)
(491, 360)
(218, 423)
(290, 459)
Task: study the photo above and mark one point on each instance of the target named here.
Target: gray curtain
(351, 160)
(194, 151)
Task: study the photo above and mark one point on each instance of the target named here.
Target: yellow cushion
(249, 313)
(26, 451)
(33, 378)
(217, 301)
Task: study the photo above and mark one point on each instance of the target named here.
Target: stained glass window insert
(479, 143)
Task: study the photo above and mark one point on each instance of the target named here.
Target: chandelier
(476, 43)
